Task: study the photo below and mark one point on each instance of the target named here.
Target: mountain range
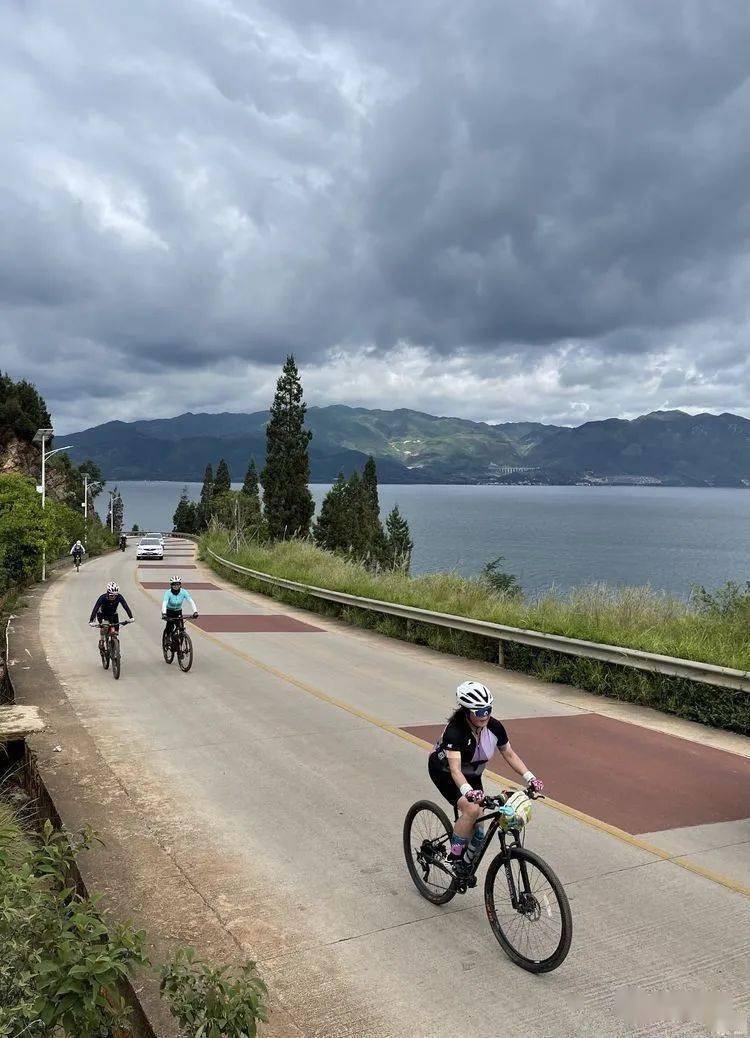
(661, 448)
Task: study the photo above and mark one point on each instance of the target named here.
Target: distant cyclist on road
(105, 608)
(77, 551)
(458, 760)
(171, 606)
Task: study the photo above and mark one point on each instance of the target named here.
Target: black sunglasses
(482, 711)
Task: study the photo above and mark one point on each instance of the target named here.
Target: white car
(150, 548)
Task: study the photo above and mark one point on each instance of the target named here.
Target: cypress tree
(287, 500)
(223, 480)
(184, 518)
(376, 546)
(399, 542)
(207, 493)
(331, 526)
(251, 487)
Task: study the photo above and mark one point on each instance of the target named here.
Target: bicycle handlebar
(498, 800)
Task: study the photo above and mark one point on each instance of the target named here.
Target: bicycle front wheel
(528, 910)
(114, 653)
(185, 652)
(427, 844)
(166, 646)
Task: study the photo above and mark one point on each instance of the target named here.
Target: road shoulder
(138, 878)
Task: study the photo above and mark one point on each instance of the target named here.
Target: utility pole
(86, 509)
(41, 436)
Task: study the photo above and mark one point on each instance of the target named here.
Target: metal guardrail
(706, 673)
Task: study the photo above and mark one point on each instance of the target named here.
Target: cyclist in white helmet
(105, 608)
(459, 758)
(171, 606)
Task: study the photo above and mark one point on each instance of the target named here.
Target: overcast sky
(501, 209)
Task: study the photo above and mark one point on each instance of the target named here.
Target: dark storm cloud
(399, 194)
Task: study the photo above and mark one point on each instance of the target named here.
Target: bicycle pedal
(471, 881)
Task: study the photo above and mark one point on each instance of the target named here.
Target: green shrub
(61, 960)
(27, 530)
(214, 1003)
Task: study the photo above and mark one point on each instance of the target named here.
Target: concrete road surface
(277, 774)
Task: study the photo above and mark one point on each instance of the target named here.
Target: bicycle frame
(178, 628)
(494, 827)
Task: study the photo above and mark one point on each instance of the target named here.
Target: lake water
(566, 536)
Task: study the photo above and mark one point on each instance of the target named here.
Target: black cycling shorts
(444, 782)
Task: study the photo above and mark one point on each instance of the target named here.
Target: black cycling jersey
(105, 608)
(459, 736)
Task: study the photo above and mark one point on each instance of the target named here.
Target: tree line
(349, 520)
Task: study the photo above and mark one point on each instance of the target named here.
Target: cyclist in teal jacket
(171, 606)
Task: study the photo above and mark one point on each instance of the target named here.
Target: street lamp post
(41, 436)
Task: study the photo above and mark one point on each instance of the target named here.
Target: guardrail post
(500, 653)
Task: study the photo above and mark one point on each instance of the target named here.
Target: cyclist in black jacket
(105, 608)
(460, 756)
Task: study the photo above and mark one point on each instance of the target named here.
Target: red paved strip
(252, 622)
(194, 585)
(637, 779)
(159, 565)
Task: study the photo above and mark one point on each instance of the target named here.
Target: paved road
(278, 773)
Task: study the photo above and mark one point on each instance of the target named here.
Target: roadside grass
(636, 617)
(713, 628)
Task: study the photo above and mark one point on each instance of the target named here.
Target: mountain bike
(77, 560)
(526, 904)
(109, 645)
(177, 642)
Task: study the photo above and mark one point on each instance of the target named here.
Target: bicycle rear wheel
(166, 646)
(114, 653)
(427, 842)
(536, 931)
(185, 652)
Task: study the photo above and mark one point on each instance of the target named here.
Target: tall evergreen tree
(251, 487)
(223, 480)
(331, 526)
(399, 542)
(376, 548)
(287, 500)
(184, 518)
(115, 512)
(204, 505)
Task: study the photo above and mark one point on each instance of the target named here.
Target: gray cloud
(489, 209)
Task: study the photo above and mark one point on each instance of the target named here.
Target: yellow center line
(565, 809)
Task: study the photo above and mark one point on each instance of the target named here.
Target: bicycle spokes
(528, 910)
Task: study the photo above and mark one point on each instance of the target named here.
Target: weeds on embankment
(64, 961)
(710, 628)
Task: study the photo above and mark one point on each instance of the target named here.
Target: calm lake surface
(566, 536)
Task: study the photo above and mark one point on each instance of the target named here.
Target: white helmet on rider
(175, 580)
(473, 695)
(112, 588)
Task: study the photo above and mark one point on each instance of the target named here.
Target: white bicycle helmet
(175, 580)
(473, 695)
(112, 588)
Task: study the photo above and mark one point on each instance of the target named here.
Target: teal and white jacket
(174, 602)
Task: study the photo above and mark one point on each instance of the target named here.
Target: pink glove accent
(475, 796)
(537, 785)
